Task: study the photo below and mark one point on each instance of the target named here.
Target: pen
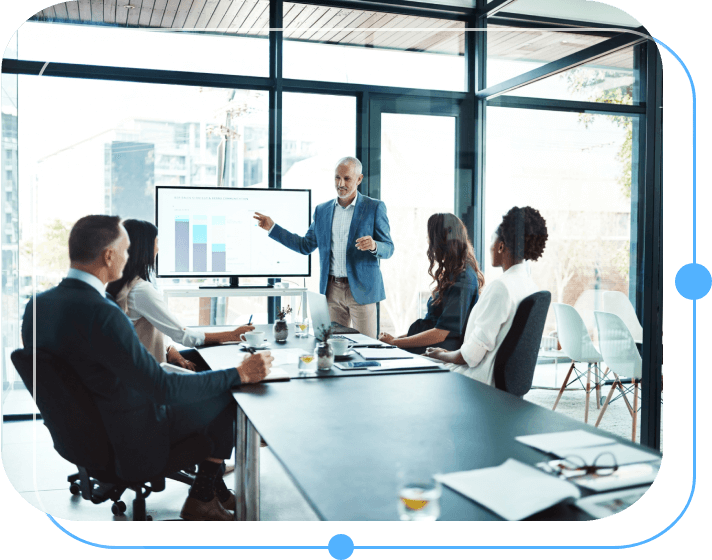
(250, 321)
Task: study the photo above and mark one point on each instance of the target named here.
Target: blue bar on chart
(200, 244)
(182, 250)
(219, 258)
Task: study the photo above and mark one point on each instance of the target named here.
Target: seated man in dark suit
(145, 409)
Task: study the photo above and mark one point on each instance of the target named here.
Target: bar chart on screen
(206, 231)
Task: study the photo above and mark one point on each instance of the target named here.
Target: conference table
(342, 438)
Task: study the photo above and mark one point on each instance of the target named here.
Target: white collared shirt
(87, 278)
(340, 226)
(146, 300)
(490, 321)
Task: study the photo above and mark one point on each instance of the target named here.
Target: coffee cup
(340, 346)
(253, 338)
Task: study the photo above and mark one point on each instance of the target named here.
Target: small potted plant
(280, 328)
(323, 351)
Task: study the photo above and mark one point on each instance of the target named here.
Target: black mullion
(545, 104)
(492, 7)
(526, 20)
(137, 75)
(362, 142)
(478, 81)
(275, 122)
(652, 277)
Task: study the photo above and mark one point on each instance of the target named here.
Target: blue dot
(693, 281)
(341, 547)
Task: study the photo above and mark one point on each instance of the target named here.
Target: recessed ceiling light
(129, 7)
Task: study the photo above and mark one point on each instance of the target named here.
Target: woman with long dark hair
(457, 282)
(141, 300)
(520, 237)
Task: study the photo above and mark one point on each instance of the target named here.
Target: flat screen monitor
(208, 232)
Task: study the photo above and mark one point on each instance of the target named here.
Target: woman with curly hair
(520, 237)
(457, 278)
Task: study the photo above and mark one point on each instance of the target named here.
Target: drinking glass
(302, 328)
(418, 495)
(307, 363)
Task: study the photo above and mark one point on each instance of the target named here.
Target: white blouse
(490, 321)
(145, 301)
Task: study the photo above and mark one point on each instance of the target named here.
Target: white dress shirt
(90, 279)
(490, 321)
(145, 300)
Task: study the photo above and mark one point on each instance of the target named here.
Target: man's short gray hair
(351, 161)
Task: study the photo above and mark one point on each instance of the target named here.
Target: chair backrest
(573, 335)
(619, 304)
(68, 410)
(516, 358)
(617, 346)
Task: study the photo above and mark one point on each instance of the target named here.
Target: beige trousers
(344, 310)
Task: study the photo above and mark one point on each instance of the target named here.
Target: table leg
(252, 474)
(240, 465)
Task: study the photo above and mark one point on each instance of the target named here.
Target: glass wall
(109, 143)
(317, 131)
(576, 170)
(417, 180)
(9, 234)
(183, 46)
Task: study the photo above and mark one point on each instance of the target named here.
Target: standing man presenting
(352, 233)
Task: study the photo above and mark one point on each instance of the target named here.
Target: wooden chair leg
(563, 385)
(588, 393)
(598, 386)
(605, 405)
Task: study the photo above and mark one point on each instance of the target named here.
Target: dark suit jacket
(362, 267)
(94, 337)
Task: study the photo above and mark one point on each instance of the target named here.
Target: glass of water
(307, 363)
(301, 328)
(418, 495)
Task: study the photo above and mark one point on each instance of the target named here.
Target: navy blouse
(452, 312)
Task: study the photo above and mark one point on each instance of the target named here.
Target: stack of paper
(384, 354)
(587, 446)
(361, 340)
(512, 490)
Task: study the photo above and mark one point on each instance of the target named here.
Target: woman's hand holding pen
(241, 330)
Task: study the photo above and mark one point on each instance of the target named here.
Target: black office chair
(516, 358)
(78, 435)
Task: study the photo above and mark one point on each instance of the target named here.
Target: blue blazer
(133, 394)
(362, 268)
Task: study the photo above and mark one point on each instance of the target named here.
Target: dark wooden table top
(343, 439)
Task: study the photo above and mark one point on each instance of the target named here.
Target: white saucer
(341, 357)
(260, 347)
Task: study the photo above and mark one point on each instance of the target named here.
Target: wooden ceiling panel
(84, 10)
(220, 13)
(326, 24)
(72, 10)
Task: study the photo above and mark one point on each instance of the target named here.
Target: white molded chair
(619, 304)
(622, 357)
(577, 345)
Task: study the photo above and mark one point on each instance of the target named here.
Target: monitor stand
(235, 283)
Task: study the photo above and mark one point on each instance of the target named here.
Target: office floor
(40, 474)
